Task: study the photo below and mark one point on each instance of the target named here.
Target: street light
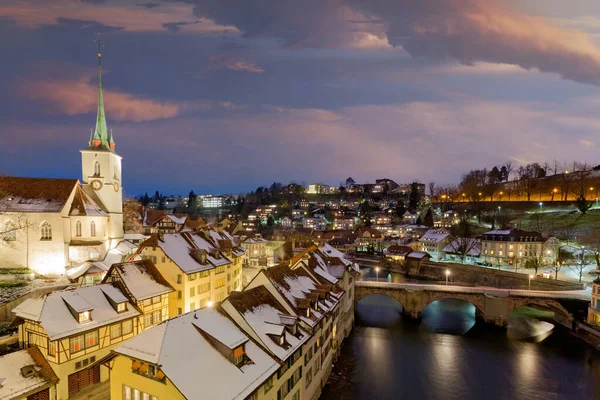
(447, 274)
(530, 278)
(377, 272)
(541, 205)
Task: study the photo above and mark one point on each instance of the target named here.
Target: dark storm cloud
(468, 31)
(148, 5)
(176, 26)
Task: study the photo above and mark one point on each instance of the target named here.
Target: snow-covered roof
(134, 236)
(53, 313)
(35, 194)
(88, 267)
(418, 255)
(15, 385)
(182, 349)
(434, 236)
(266, 316)
(141, 278)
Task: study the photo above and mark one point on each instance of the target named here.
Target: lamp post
(447, 274)
(377, 272)
(541, 205)
(530, 278)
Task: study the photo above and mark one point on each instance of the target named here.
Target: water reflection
(389, 356)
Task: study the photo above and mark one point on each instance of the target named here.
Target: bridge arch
(560, 312)
(473, 300)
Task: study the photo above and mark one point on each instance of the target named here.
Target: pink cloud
(232, 62)
(73, 97)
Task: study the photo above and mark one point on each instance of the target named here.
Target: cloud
(73, 97)
(232, 62)
(468, 31)
(126, 15)
(587, 144)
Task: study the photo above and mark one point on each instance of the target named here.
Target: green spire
(101, 132)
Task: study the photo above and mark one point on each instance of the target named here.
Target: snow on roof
(142, 279)
(201, 243)
(434, 236)
(86, 267)
(333, 252)
(114, 294)
(35, 194)
(418, 255)
(177, 220)
(13, 384)
(56, 318)
(179, 247)
(134, 236)
(266, 316)
(184, 354)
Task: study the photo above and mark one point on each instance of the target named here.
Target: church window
(93, 229)
(10, 232)
(96, 168)
(46, 231)
(78, 229)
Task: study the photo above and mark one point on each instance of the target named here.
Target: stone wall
(488, 277)
(5, 309)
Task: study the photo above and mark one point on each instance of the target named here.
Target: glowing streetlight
(447, 274)
(210, 303)
(530, 278)
(541, 205)
(377, 272)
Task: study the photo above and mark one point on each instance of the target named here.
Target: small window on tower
(96, 168)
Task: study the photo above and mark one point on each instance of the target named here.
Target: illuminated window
(91, 339)
(156, 317)
(121, 307)
(78, 229)
(116, 331)
(45, 231)
(127, 327)
(51, 348)
(77, 344)
(93, 229)
(84, 316)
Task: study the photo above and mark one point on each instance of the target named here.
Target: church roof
(19, 194)
(84, 205)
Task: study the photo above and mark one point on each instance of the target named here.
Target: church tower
(101, 166)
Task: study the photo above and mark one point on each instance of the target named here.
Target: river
(449, 355)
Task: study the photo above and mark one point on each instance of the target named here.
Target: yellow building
(146, 287)
(75, 328)
(198, 355)
(594, 308)
(195, 267)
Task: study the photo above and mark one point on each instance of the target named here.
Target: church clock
(116, 186)
(96, 185)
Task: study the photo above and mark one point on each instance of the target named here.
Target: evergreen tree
(414, 197)
(145, 199)
(428, 220)
(270, 221)
(192, 197)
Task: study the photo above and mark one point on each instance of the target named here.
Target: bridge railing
(496, 292)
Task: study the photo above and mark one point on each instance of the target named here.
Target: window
(116, 331)
(121, 307)
(220, 296)
(268, 384)
(134, 394)
(192, 291)
(205, 287)
(51, 348)
(93, 229)
(127, 327)
(77, 344)
(179, 311)
(296, 395)
(179, 295)
(10, 232)
(45, 231)
(204, 274)
(219, 283)
(179, 279)
(156, 300)
(191, 277)
(192, 306)
(219, 270)
(147, 320)
(84, 316)
(308, 377)
(78, 229)
(91, 339)
(96, 168)
(283, 390)
(163, 259)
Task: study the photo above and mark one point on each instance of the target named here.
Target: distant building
(343, 223)
(433, 242)
(318, 224)
(511, 246)
(318, 188)
(212, 201)
(593, 317)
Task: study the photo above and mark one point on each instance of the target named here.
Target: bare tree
(580, 263)
(432, 191)
(509, 168)
(464, 242)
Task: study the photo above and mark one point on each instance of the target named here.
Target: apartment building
(73, 329)
(433, 242)
(511, 246)
(195, 267)
(256, 251)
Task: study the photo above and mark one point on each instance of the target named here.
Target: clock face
(96, 185)
(116, 186)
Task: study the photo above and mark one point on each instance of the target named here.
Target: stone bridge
(492, 305)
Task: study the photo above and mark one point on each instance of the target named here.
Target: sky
(224, 96)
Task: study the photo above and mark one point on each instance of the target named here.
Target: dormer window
(281, 340)
(308, 313)
(85, 316)
(121, 307)
(239, 356)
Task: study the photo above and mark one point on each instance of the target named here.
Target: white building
(318, 224)
(49, 224)
(213, 201)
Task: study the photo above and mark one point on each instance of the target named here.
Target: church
(50, 224)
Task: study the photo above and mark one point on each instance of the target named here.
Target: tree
(591, 240)
(508, 167)
(132, 219)
(432, 191)
(495, 176)
(580, 264)
(414, 197)
(464, 241)
(428, 220)
(192, 197)
(350, 182)
(145, 199)
(270, 221)
(582, 204)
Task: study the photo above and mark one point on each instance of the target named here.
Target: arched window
(93, 229)
(78, 229)
(9, 232)
(45, 231)
(96, 168)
